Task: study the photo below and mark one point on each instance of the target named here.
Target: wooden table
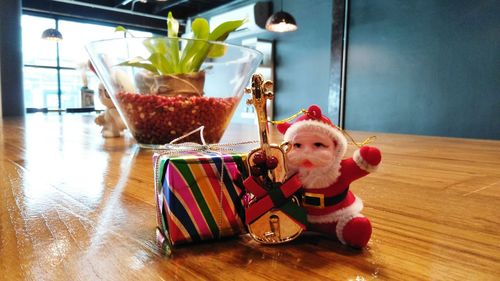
(75, 206)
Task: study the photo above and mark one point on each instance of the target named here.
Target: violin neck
(259, 101)
(263, 128)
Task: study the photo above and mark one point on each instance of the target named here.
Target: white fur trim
(361, 162)
(336, 216)
(339, 229)
(318, 126)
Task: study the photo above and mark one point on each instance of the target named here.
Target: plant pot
(158, 109)
(188, 84)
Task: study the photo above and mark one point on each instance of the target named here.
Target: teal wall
(11, 75)
(303, 57)
(424, 67)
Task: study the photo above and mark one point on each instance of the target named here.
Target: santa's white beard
(318, 177)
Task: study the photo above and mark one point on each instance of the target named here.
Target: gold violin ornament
(268, 171)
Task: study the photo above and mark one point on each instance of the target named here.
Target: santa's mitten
(356, 232)
(368, 158)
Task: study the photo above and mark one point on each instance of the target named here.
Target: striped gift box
(199, 196)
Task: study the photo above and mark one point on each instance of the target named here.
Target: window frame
(58, 66)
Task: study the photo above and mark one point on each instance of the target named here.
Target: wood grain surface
(75, 206)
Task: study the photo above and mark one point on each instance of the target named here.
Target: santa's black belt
(318, 200)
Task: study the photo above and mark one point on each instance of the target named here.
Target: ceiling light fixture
(52, 34)
(281, 22)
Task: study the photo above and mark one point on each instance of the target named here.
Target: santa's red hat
(314, 121)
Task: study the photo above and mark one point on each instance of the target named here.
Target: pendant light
(52, 34)
(281, 21)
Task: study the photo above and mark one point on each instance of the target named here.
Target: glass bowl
(158, 108)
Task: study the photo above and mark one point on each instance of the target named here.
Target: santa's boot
(355, 231)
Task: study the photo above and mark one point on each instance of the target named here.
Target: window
(54, 73)
(40, 87)
(35, 50)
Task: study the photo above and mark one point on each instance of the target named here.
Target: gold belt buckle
(321, 198)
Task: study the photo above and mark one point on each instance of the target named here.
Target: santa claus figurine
(316, 149)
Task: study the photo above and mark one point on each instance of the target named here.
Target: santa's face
(311, 150)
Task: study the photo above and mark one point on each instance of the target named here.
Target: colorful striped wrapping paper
(194, 202)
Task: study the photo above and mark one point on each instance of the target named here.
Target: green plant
(166, 58)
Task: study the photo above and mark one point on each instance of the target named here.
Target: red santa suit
(331, 207)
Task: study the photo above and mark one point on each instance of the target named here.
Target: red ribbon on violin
(279, 196)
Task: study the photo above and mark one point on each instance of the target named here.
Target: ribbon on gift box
(174, 148)
(277, 197)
